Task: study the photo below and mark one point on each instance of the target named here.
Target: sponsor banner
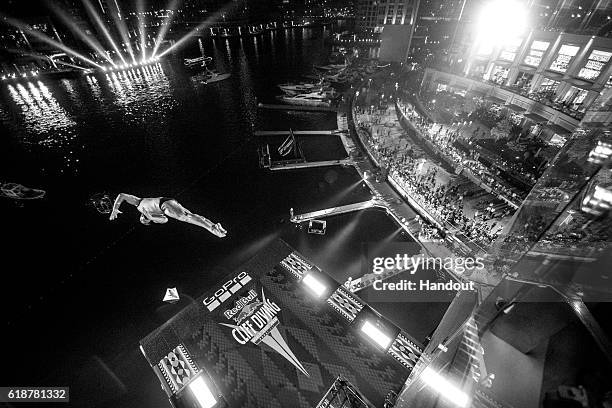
(251, 316)
(226, 291)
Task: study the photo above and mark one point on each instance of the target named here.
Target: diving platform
(284, 165)
(328, 212)
(295, 132)
(297, 107)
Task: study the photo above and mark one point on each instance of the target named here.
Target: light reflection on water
(51, 124)
(40, 110)
(82, 118)
(142, 91)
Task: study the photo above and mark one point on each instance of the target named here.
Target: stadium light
(500, 22)
(376, 334)
(202, 393)
(314, 285)
(444, 387)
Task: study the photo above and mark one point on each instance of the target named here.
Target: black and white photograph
(306, 203)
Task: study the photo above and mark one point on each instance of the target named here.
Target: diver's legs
(174, 210)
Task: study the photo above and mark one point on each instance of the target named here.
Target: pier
(297, 107)
(275, 166)
(328, 212)
(295, 132)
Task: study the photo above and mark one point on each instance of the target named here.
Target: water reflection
(141, 91)
(40, 110)
(71, 116)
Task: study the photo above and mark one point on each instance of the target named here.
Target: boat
(213, 76)
(20, 192)
(315, 77)
(331, 67)
(303, 87)
(308, 99)
(196, 62)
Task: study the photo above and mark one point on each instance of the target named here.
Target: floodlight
(314, 285)
(500, 22)
(202, 393)
(376, 334)
(444, 387)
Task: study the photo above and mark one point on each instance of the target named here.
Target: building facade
(373, 15)
(553, 79)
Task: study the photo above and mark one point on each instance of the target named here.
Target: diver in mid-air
(158, 210)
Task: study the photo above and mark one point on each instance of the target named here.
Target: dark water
(76, 285)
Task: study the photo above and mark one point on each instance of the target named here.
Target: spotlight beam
(142, 28)
(92, 12)
(165, 26)
(93, 43)
(43, 37)
(123, 32)
(202, 25)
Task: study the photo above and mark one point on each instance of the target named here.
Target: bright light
(92, 42)
(603, 195)
(92, 12)
(444, 387)
(202, 393)
(500, 22)
(43, 37)
(314, 284)
(165, 25)
(601, 153)
(375, 334)
(104, 69)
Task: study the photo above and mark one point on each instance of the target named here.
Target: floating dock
(274, 166)
(297, 107)
(295, 132)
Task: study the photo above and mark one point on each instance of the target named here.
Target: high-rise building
(436, 23)
(555, 78)
(373, 15)
(583, 16)
(393, 21)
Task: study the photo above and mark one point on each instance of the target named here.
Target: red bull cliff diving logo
(258, 323)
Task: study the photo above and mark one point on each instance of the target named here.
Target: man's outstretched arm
(130, 199)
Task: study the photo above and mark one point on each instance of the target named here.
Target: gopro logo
(226, 291)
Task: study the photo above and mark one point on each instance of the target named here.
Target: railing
(557, 106)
